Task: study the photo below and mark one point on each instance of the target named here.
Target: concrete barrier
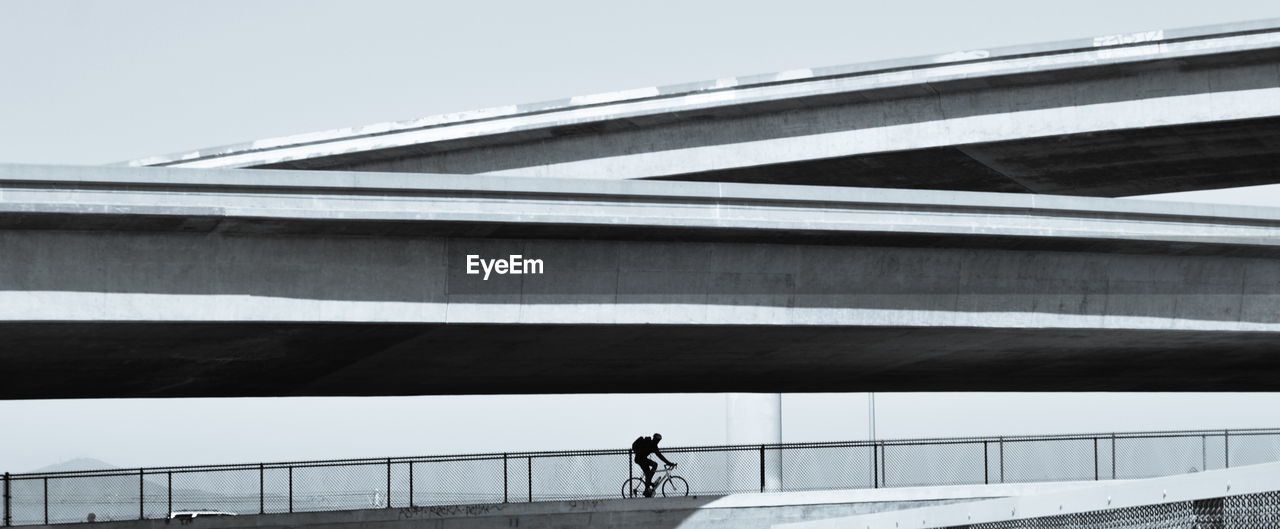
(1087, 497)
(738, 511)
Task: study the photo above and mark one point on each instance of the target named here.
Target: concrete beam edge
(265, 180)
(746, 82)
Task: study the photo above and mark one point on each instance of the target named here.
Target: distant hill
(80, 463)
(71, 499)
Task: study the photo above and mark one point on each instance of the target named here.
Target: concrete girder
(119, 282)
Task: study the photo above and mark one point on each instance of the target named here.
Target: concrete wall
(744, 511)
(1170, 501)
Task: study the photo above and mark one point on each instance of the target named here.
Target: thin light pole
(871, 436)
(871, 416)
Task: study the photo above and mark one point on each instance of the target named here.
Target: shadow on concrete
(97, 360)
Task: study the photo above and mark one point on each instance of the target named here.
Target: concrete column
(754, 418)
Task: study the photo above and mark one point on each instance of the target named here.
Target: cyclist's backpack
(639, 446)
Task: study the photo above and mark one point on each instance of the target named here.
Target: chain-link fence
(1246, 511)
(119, 494)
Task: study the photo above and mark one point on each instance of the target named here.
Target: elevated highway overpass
(161, 282)
(1147, 112)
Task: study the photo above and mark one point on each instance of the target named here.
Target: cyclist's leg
(649, 467)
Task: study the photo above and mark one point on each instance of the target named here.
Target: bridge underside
(1116, 116)
(178, 283)
(1159, 126)
(1156, 160)
(96, 360)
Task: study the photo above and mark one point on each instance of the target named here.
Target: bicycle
(671, 486)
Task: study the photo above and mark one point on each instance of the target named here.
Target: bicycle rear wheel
(675, 486)
(633, 488)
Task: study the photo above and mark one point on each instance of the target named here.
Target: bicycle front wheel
(633, 488)
(675, 486)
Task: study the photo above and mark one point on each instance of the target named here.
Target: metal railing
(309, 486)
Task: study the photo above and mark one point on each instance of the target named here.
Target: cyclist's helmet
(657, 437)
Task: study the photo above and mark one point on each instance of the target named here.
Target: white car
(191, 515)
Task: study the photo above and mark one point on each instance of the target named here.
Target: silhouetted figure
(643, 447)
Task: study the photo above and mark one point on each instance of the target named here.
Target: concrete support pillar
(754, 418)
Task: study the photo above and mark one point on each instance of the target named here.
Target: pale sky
(99, 82)
(153, 432)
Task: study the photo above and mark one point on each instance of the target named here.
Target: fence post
(530, 462)
(46, 501)
(504, 482)
(290, 489)
(761, 468)
(8, 520)
(1095, 459)
(1002, 459)
(262, 490)
(1113, 455)
(884, 464)
(388, 483)
(170, 495)
(986, 464)
(875, 465)
(1204, 453)
(631, 472)
(141, 513)
(504, 477)
(1226, 448)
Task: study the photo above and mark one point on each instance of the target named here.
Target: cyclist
(643, 446)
